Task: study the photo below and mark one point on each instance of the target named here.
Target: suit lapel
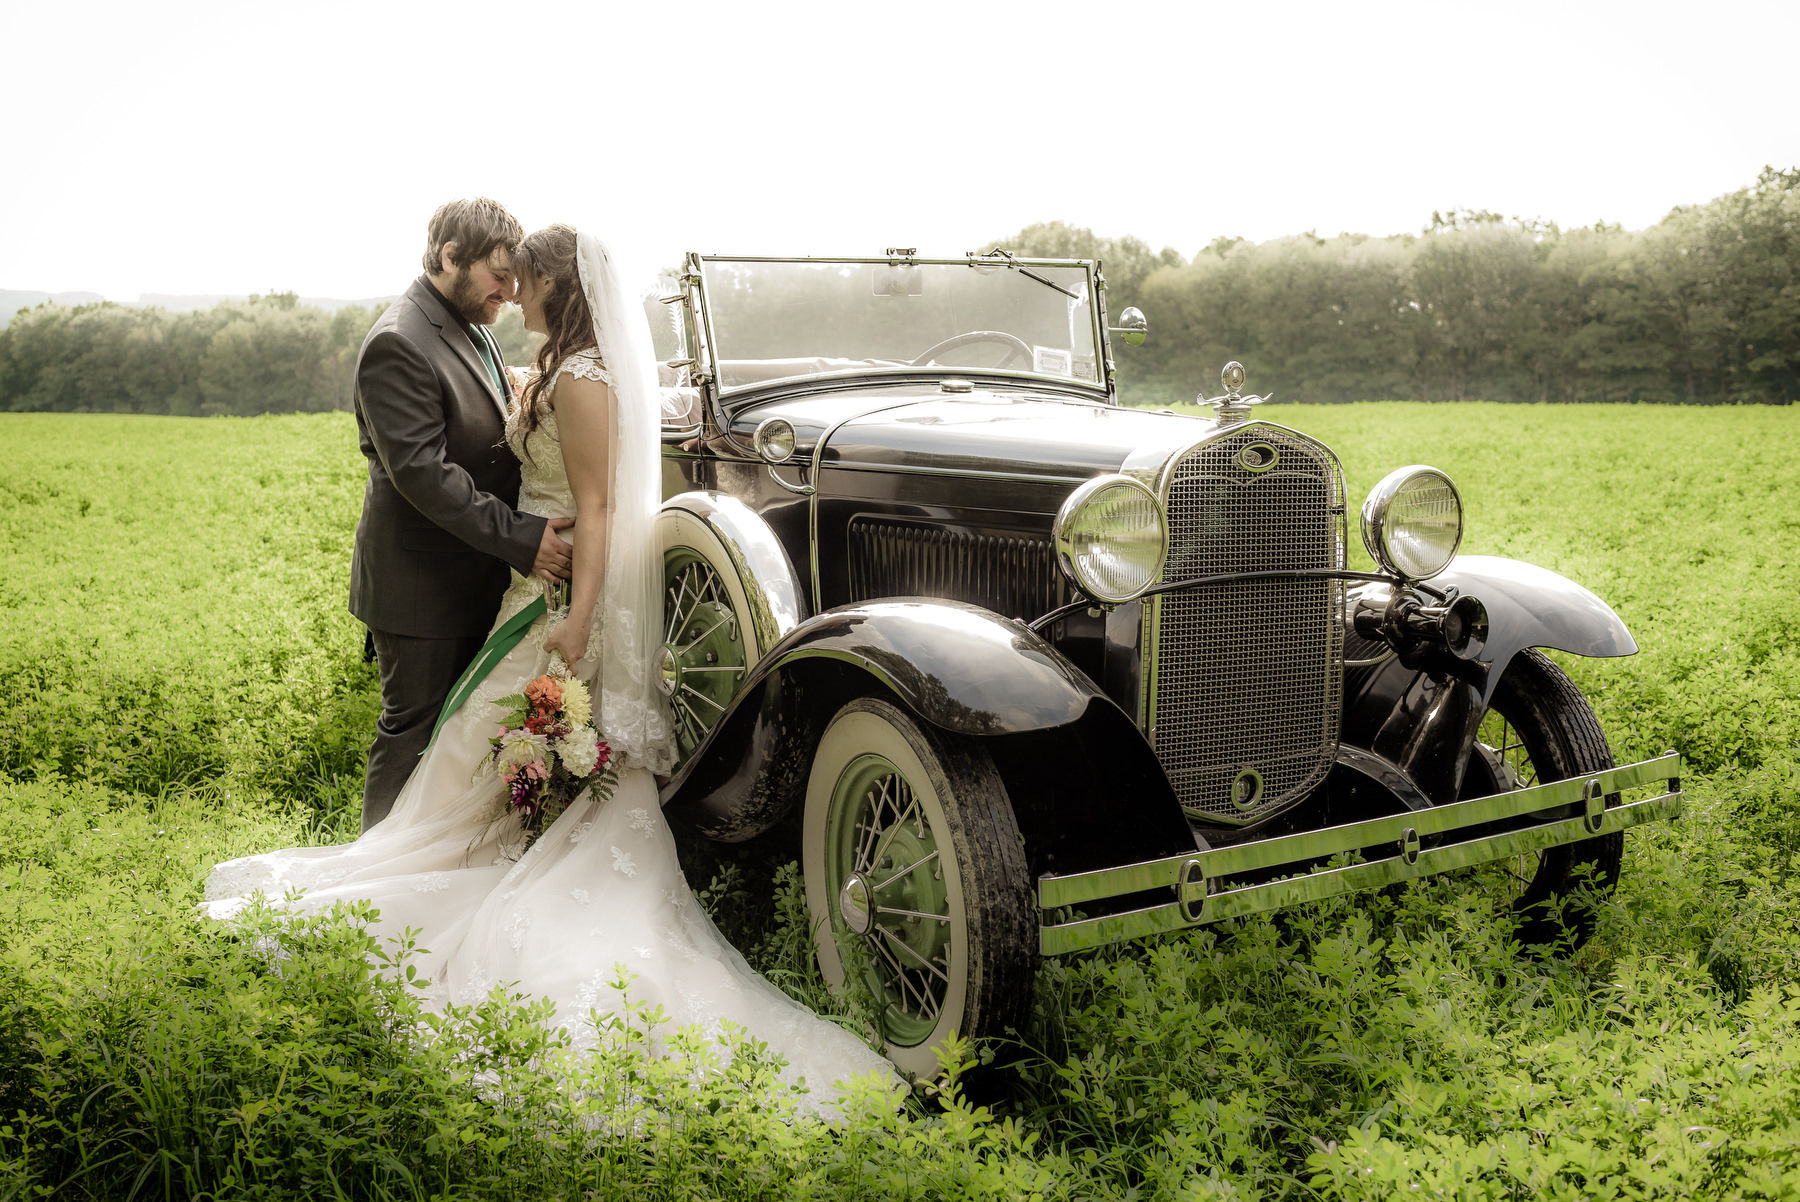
(451, 329)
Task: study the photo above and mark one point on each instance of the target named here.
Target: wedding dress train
(601, 887)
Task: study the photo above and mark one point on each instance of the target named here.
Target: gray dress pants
(416, 676)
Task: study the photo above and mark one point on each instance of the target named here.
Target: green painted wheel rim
(1516, 771)
(878, 831)
(704, 659)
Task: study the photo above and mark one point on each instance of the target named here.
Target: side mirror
(1132, 327)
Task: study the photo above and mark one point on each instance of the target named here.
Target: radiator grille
(1013, 575)
(1249, 676)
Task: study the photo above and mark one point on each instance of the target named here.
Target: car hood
(985, 433)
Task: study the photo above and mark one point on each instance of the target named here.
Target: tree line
(1701, 308)
(267, 354)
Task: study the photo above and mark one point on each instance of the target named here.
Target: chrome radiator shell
(1244, 683)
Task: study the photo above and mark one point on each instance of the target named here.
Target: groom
(438, 528)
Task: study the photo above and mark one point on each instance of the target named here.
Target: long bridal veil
(632, 714)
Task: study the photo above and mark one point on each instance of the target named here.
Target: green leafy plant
(180, 690)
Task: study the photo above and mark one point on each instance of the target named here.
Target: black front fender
(1085, 785)
(1529, 606)
(1424, 720)
(958, 666)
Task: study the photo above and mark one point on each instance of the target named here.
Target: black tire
(1539, 728)
(908, 832)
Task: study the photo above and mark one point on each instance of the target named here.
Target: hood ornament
(1231, 408)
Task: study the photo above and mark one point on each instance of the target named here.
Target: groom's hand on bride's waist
(554, 555)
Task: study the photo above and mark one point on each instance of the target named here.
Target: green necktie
(487, 357)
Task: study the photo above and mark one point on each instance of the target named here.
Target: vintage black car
(1041, 672)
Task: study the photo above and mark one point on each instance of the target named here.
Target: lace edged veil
(631, 711)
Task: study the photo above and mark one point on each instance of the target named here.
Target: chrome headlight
(774, 439)
(1412, 522)
(1111, 538)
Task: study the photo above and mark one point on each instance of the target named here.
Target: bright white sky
(196, 147)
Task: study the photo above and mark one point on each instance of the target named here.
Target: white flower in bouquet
(521, 747)
(580, 750)
(577, 703)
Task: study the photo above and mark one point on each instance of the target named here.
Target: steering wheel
(1016, 347)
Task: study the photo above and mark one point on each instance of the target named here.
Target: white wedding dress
(601, 887)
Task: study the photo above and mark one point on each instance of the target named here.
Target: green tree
(1472, 284)
(270, 358)
(349, 326)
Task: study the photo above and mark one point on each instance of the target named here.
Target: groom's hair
(478, 227)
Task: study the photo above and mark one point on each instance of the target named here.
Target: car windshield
(793, 319)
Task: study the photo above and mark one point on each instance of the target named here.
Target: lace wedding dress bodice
(599, 891)
(544, 488)
(543, 477)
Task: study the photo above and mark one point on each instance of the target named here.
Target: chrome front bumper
(1201, 889)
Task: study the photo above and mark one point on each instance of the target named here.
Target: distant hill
(12, 300)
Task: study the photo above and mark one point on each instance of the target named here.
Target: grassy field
(180, 683)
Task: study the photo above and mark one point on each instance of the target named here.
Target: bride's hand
(569, 639)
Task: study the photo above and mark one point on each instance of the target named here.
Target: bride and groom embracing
(446, 566)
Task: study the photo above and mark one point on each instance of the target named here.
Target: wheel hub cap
(856, 903)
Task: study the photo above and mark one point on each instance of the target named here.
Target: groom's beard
(476, 307)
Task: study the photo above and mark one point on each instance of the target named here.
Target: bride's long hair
(550, 254)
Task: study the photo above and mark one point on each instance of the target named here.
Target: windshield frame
(741, 396)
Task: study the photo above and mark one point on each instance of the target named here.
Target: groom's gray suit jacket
(438, 527)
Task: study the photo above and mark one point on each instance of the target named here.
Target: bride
(601, 886)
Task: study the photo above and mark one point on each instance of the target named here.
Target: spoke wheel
(709, 643)
(916, 882)
(1539, 728)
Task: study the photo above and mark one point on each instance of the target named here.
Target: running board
(1201, 891)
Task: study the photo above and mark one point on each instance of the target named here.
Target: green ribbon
(503, 640)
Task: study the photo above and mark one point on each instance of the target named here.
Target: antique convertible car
(1038, 672)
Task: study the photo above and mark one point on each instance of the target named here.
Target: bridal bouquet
(548, 751)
